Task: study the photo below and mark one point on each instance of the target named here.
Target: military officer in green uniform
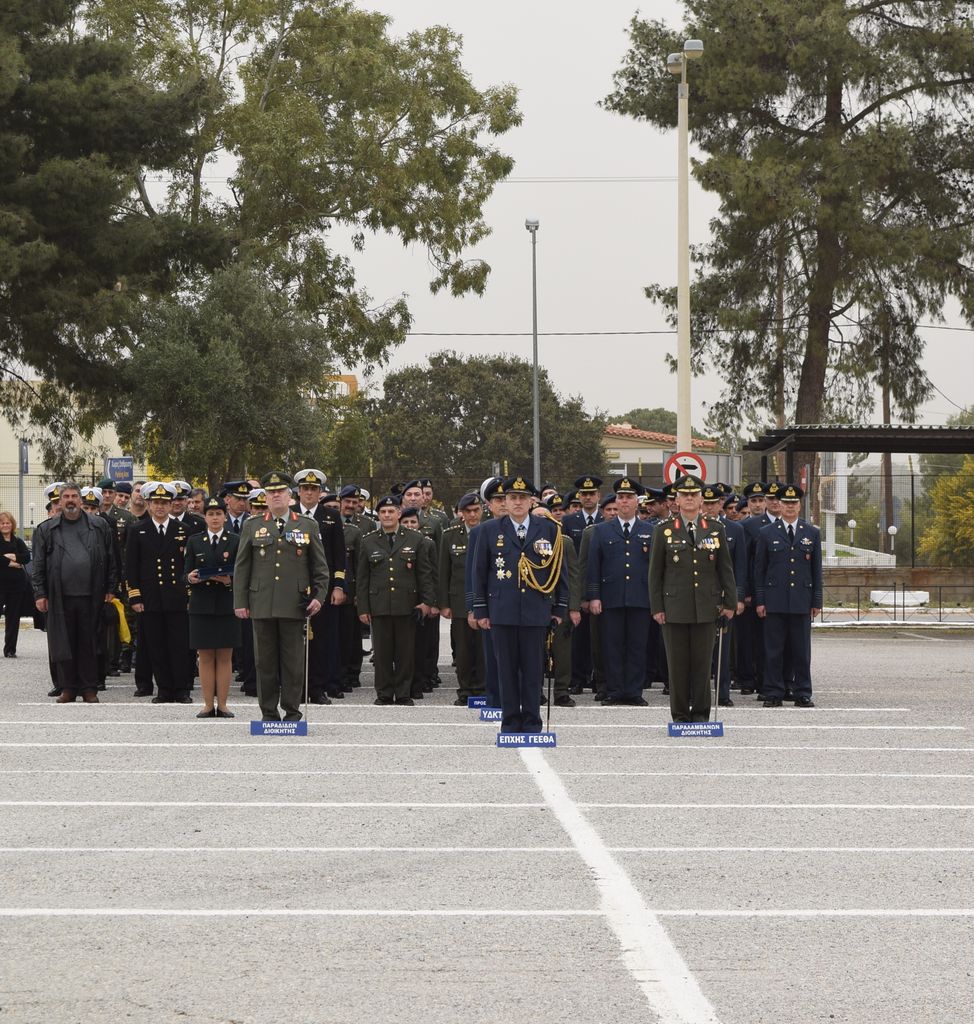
(691, 581)
(395, 583)
(451, 567)
(280, 578)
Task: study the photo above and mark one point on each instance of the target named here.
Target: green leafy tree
(949, 536)
(228, 382)
(455, 418)
(658, 420)
(835, 135)
(76, 257)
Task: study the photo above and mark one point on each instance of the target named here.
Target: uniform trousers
(561, 658)
(143, 660)
(722, 671)
(750, 650)
(492, 686)
(788, 648)
(623, 641)
(582, 653)
(468, 652)
(519, 651)
(279, 656)
(350, 637)
(166, 636)
(80, 671)
(394, 655)
(689, 649)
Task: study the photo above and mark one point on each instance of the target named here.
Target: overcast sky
(600, 242)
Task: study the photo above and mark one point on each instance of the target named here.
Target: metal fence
(917, 520)
(950, 604)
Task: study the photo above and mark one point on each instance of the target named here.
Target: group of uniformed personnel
(610, 592)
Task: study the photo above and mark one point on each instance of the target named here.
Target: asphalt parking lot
(394, 866)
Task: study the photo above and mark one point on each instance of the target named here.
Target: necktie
(162, 530)
(690, 534)
(522, 532)
(392, 539)
(213, 540)
(589, 520)
(625, 530)
(280, 526)
(236, 525)
(791, 534)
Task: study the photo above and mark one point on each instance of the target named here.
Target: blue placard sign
(705, 729)
(262, 728)
(120, 469)
(526, 739)
(491, 714)
(476, 702)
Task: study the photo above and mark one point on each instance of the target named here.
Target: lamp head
(693, 49)
(674, 63)
(532, 224)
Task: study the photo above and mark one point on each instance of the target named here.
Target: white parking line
(487, 849)
(282, 912)
(209, 723)
(447, 709)
(290, 746)
(649, 954)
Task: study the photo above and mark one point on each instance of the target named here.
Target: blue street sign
(262, 728)
(476, 702)
(526, 739)
(120, 469)
(491, 714)
(704, 729)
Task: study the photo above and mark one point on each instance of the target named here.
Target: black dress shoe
(575, 690)
(319, 698)
(54, 692)
(182, 700)
(10, 654)
(161, 700)
(745, 692)
(666, 691)
(772, 702)
(336, 694)
(804, 702)
(142, 693)
(728, 703)
(460, 702)
(407, 702)
(113, 673)
(224, 714)
(291, 718)
(564, 701)
(788, 695)
(206, 714)
(417, 694)
(383, 701)
(248, 692)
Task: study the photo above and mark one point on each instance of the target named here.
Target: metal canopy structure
(880, 438)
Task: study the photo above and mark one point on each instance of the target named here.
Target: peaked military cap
(257, 498)
(588, 483)
(238, 488)
(668, 491)
(519, 485)
(688, 484)
(627, 486)
(214, 503)
(389, 501)
(276, 480)
(53, 491)
(791, 492)
(655, 494)
(554, 501)
(310, 478)
(158, 489)
(493, 488)
(181, 488)
(774, 490)
(712, 492)
(91, 496)
(757, 489)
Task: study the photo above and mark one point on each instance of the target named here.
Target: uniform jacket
(451, 569)
(577, 594)
(752, 526)
(393, 580)
(788, 578)
(154, 565)
(192, 523)
(691, 583)
(352, 536)
(243, 518)
(333, 541)
(498, 592)
(276, 575)
(617, 568)
(573, 526)
(209, 597)
(472, 541)
(737, 543)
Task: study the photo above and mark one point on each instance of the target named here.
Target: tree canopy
(659, 420)
(454, 418)
(949, 536)
(835, 134)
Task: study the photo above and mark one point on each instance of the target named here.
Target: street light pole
(532, 226)
(676, 63)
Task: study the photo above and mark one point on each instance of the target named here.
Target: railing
(948, 603)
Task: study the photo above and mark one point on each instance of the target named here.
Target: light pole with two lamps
(532, 225)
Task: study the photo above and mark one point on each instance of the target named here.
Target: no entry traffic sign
(682, 463)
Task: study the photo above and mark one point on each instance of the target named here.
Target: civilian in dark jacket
(73, 577)
(13, 581)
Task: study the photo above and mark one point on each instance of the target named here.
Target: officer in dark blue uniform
(750, 629)
(518, 590)
(617, 589)
(787, 596)
(713, 497)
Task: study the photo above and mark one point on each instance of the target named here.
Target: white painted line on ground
(318, 773)
(774, 806)
(652, 959)
(655, 726)
(486, 849)
(661, 990)
(291, 746)
(276, 804)
(359, 708)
